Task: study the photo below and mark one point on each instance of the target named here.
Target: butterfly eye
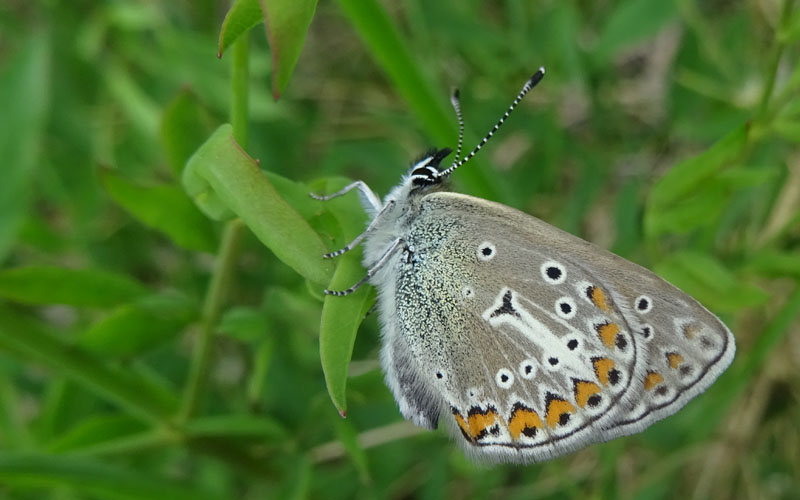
(643, 304)
(553, 272)
(486, 251)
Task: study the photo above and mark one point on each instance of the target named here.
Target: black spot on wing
(506, 308)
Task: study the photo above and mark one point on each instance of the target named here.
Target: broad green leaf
(631, 22)
(245, 323)
(164, 208)
(134, 328)
(688, 215)
(670, 200)
(341, 316)
(688, 176)
(185, 124)
(89, 478)
(221, 174)
(241, 18)
(746, 177)
(74, 287)
(287, 23)
(788, 129)
(24, 81)
(96, 429)
(232, 426)
(774, 264)
(135, 394)
(707, 280)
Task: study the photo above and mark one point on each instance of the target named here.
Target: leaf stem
(240, 77)
(212, 309)
(229, 247)
(774, 59)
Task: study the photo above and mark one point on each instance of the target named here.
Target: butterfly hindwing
(532, 342)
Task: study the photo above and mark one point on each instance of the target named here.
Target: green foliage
(162, 328)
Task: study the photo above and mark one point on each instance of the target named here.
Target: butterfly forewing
(532, 342)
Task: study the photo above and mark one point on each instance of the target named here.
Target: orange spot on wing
(598, 298)
(523, 421)
(652, 379)
(557, 407)
(607, 332)
(462, 424)
(584, 390)
(602, 366)
(674, 359)
(478, 422)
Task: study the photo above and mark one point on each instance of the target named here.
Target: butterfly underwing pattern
(526, 341)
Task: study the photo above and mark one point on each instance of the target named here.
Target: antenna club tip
(542, 70)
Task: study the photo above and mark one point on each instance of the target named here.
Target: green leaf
(96, 429)
(698, 211)
(690, 175)
(89, 478)
(164, 208)
(774, 264)
(23, 102)
(341, 316)
(221, 174)
(75, 287)
(185, 124)
(684, 193)
(245, 323)
(241, 18)
(711, 283)
(230, 426)
(631, 22)
(134, 394)
(788, 129)
(134, 328)
(287, 23)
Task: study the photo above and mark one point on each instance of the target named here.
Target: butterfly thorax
(402, 205)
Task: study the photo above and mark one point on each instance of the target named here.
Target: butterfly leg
(369, 200)
(375, 221)
(371, 271)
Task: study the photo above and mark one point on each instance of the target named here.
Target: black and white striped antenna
(532, 81)
(457, 106)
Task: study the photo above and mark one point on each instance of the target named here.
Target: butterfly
(526, 341)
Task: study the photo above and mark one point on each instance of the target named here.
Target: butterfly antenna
(457, 106)
(536, 78)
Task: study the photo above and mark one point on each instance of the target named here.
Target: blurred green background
(153, 345)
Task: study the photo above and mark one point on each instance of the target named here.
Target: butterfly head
(425, 171)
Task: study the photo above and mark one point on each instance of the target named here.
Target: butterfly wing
(532, 342)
